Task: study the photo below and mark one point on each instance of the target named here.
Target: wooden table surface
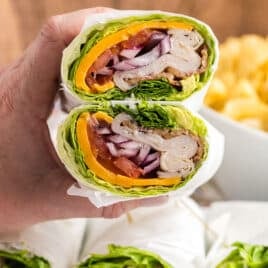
(21, 19)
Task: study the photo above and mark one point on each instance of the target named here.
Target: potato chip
(239, 109)
(217, 95)
(253, 52)
(240, 87)
(229, 54)
(265, 120)
(229, 79)
(243, 89)
(260, 81)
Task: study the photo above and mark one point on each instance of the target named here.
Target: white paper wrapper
(101, 198)
(193, 102)
(59, 242)
(236, 221)
(171, 231)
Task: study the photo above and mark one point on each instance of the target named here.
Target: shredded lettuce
(73, 158)
(145, 90)
(21, 259)
(154, 90)
(246, 256)
(119, 257)
(153, 116)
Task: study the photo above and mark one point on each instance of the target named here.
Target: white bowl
(244, 170)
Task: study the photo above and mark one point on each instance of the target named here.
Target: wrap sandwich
(242, 237)
(12, 258)
(245, 255)
(173, 231)
(120, 256)
(137, 149)
(54, 244)
(146, 55)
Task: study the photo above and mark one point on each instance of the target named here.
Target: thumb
(41, 61)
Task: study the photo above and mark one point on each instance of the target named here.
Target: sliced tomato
(90, 80)
(102, 60)
(100, 63)
(99, 148)
(97, 142)
(102, 79)
(128, 167)
(137, 40)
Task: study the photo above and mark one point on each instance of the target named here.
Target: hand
(33, 185)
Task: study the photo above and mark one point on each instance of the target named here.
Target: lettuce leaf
(246, 256)
(154, 90)
(72, 156)
(22, 259)
(119, 257)
(157, 90)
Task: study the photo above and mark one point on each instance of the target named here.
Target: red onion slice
(146, 58)
(117, 139)
(165, 45)
(112, 149)
(147, 169)
(151, 157)
(132, 62)
(143, 153)
(157, 36)
(103, 131)
(121, 152)
(124, 66)
(130, 53)
(130, 145)
(143, 60)
(154, 40)
(115, 59)
(128, 152)
(105, 71)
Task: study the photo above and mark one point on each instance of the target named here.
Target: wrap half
(21, 258)
(242, 237)
(173, 231)
(146, 55)
(134, 150)
(245, 255)
(53, 244)
(120, 256)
